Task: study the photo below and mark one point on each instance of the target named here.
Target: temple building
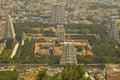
(68, 54)
(58, 14)
(9, 29)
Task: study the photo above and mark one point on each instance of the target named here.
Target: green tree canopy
(73, 72)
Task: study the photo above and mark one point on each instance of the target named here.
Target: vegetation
(79, 28)
(70, 72)
(42, 76)
(69, 8)
(27, 55)
(79, 48)
(8, 75)
(0, 17)
(27, 27)
(47, 59)
(105, 52)
(73, 72)
(9, 44)
(103, 47)
(104, 6)
(5, 56)
(87, 29)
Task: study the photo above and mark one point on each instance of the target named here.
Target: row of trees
(25, 54)
(87, 29)
(5, 56)
(106, 50)
(103, 47)
(104, 6)
(93, 28)
(27, 27)
(70, 72)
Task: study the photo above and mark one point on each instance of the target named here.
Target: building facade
(114, 32)
(68, 54)
(9, 30)
(60, 33)
(57, 15)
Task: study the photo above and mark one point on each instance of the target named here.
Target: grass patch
(8, 75)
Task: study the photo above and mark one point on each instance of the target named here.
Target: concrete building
(9, 30)
(60, 33)
(68, 54)
(58, 15)
(114, 32)
(2, 28)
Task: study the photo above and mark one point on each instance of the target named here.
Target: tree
(27, 52)
(85, 31)
(9, 43)
(70, 72)
(73, 72)
(79, 48)
(41, 75)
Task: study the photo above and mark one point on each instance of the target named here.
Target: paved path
(14, 50)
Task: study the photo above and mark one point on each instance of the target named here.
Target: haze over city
(59, 39)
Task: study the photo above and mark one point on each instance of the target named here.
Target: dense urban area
(59, 39)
